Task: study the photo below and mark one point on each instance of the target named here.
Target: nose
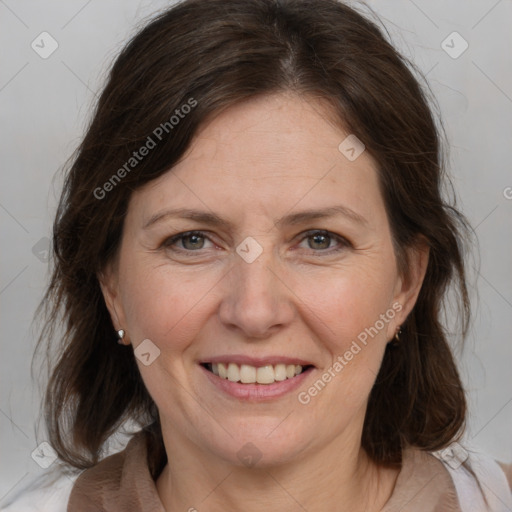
(256, 299)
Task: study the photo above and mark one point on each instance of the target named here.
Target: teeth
(248, 374)
(265, 375)
(280, 372)
(223, 371)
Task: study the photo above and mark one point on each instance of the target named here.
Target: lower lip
(256, 392)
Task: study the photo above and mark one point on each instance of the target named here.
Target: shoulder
(48, 492)
(479, 480)
(455, 479)
(118, 482)
(60, 488)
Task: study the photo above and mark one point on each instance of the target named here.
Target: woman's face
(291, 263)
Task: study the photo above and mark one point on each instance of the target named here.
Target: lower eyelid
(342, 242)
(172, 241)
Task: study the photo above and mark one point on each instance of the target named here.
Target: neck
(339, 476)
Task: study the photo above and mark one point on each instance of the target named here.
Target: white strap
(490, 476)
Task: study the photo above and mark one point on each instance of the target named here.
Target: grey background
(45, 105)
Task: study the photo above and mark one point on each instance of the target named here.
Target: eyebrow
(214, 220)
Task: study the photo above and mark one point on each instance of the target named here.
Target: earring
(396, 338)
(120, 335)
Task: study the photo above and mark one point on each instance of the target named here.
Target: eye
(190, 241)
(321, 241)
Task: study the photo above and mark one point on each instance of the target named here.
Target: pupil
(195, 239)
(320, 240)
(325, 243)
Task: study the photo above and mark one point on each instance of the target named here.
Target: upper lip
(258, 362)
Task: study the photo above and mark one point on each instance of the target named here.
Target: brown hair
(214, 54)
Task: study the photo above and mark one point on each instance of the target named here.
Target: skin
(253, 164)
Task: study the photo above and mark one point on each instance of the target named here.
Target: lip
(258, 362)
(256, 392)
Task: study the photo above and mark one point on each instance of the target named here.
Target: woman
(263, 370)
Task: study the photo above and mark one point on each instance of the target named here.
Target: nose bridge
(254, 269)
(255, 300)
(256, 279)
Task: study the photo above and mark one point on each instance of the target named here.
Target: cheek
(351, 331)
(350, 301)
(352, 311)
(161, 304)
(169, 309)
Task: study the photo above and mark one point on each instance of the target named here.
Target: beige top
(124, 482)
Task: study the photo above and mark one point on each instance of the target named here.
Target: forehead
(270, 133)
(272, 151)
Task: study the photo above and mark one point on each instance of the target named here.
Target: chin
(261, 445)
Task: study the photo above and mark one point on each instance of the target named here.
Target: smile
(247, 374)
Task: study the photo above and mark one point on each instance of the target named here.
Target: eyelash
(343, 242)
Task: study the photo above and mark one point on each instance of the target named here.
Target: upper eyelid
(305, 234)
(341, 239)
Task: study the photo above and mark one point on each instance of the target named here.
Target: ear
(409, 283)
(109, 285)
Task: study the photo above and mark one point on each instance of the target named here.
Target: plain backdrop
(45, 106)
